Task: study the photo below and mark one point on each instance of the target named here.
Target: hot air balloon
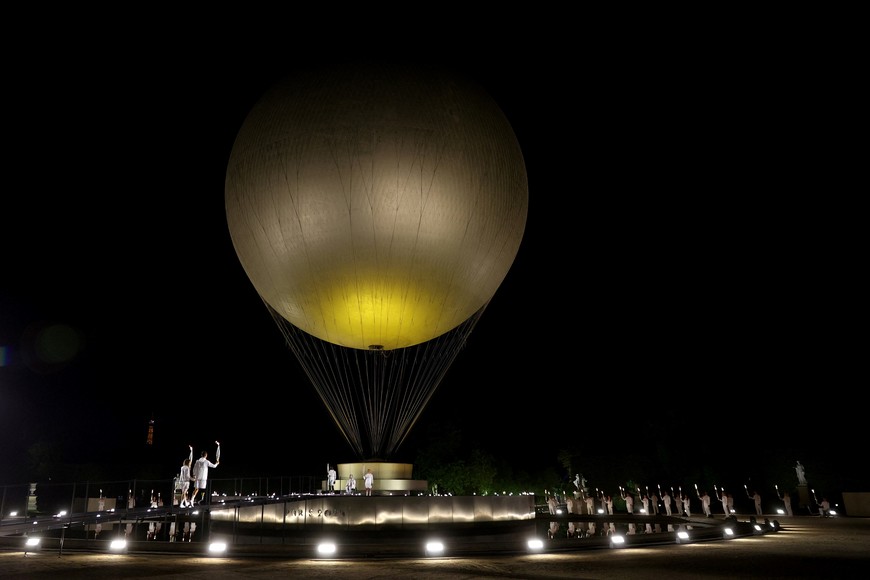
(376, 209)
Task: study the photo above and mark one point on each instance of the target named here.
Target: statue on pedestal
(799, 469)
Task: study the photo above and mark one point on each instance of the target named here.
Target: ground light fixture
(535, 544)
(683, 537)
(617, 541)
(31, 545)
(118, 545)
(326, 548)
(434, 547)
(728, 533)
(217, 548)
(757, 529)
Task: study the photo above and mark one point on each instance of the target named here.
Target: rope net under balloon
(375, 396)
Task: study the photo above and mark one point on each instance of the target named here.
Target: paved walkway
(806, 547)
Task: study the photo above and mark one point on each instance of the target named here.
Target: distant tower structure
(150, 440)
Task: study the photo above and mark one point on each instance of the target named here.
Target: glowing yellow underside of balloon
(374, 314)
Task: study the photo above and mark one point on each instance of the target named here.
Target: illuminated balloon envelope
(376, 210)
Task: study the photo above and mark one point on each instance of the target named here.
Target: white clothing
(184, 477)
(757, 498)
(200, 471)
(705, 503)
(551, 504)
(369, 479)
(824, 508)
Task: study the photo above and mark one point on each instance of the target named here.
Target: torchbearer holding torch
(756, 497)
(667, 499)
(724, 500)
(200, 473)
(705, 503)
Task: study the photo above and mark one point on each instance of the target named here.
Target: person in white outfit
(705, 504)
(756, 497)
(330, 479)
(723, 500)
(184, 479)
(590, 505)
(825, 508)
(200, 474)
(350, 485)
(666, 499)
(369, 480)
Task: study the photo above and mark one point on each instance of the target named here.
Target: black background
(689, 289)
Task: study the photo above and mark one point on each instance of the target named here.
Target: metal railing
(50, 498)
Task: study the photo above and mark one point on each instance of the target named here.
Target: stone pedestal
(803, 496)
(31, 500)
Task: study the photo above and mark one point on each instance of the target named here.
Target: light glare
(118, 544)
(434, 547)
(326, 548)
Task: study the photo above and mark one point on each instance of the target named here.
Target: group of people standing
(350, 483)
(678, 504)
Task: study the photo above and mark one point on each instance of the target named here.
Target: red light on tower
(150, 440)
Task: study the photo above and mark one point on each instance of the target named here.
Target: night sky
(689, 288)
